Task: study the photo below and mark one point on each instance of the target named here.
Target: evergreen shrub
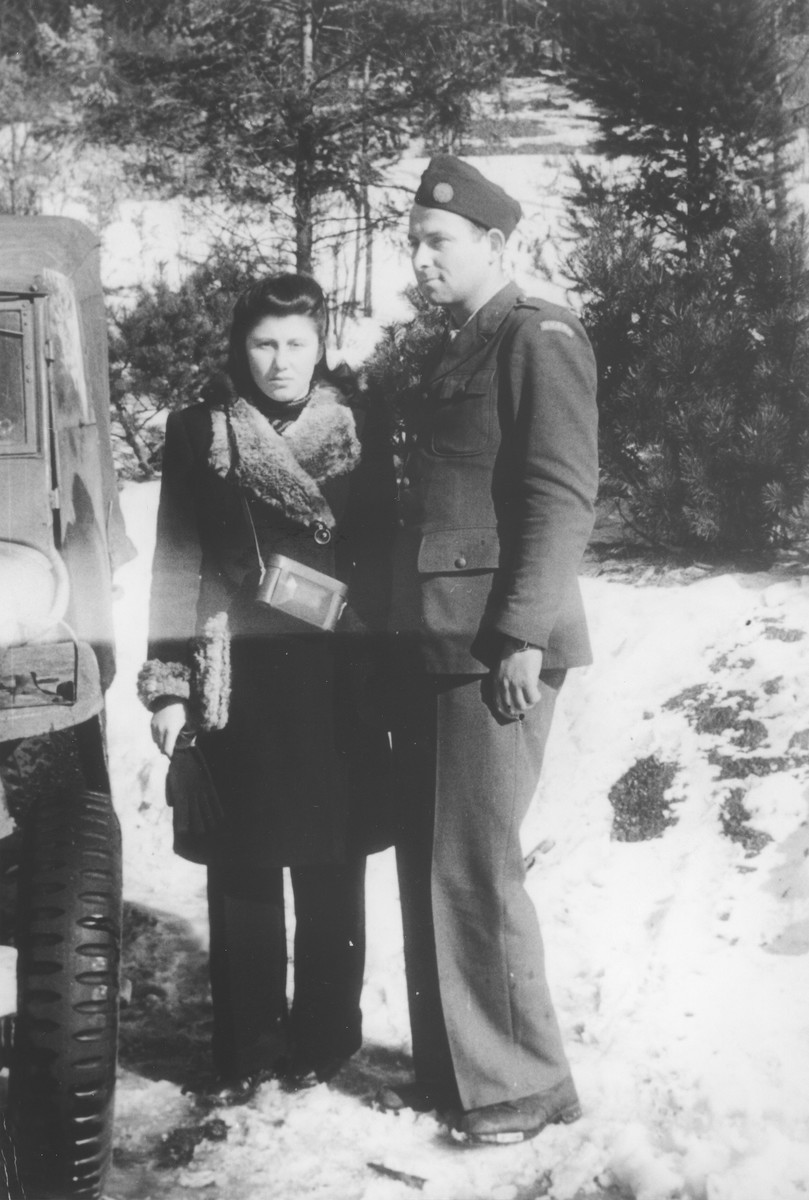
(168, 345)
(395, 369)
(703, 377)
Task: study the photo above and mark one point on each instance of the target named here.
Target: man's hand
(515, 680)
(167, 723)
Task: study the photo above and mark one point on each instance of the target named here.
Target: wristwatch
(514, 644)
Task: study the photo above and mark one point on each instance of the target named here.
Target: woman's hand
(167, 723)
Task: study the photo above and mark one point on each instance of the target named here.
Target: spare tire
(68, 932)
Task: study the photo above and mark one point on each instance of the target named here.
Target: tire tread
(63, 1068)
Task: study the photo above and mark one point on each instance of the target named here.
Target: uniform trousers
(483, 1024)
(253, 1028)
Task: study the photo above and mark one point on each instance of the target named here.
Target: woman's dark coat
(300, 767)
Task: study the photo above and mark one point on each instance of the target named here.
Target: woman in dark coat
(293, 464)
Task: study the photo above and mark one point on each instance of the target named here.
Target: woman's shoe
(229, 1093)
(302, 1073)
(420, 1097)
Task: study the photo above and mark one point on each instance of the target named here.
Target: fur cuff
(157, 679)
(210, 672)
(205, 684)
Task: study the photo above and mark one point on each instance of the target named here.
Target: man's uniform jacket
(496, 507)
(496, 504)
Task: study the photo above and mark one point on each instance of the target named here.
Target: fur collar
(285, 469)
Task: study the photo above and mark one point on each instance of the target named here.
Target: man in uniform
(496, 506)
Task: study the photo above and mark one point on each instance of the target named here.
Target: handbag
(191, 794)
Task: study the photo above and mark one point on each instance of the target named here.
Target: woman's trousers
(254, 1027)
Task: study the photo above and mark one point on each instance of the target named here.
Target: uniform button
(405, 482)
(460, 562)
(401, 522)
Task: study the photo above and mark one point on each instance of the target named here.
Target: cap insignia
(443, 192)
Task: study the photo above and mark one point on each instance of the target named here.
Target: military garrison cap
(455, 186)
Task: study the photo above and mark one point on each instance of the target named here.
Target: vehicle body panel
(58, 491)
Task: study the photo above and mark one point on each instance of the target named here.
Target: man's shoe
(420, 1097)
(518, 1120)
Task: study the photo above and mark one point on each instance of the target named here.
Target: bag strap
(246, 509)
(234, 458)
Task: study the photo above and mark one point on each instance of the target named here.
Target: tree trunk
(307, 45)
(305, 152)
(780, 167)
(304, 207)
(365, 209)
(368, 296)
(12, 178)
(692, 201)
(338, 308)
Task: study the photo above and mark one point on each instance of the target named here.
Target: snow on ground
(680, 964)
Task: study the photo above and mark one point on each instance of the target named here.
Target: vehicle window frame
(29, 443)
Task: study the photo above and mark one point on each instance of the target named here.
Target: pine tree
(703, 379)
(284, 107)
(692, 91)
(692, 268)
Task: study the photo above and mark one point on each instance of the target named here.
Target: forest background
(278, 128)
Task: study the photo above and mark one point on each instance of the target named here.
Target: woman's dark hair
(274, 296)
